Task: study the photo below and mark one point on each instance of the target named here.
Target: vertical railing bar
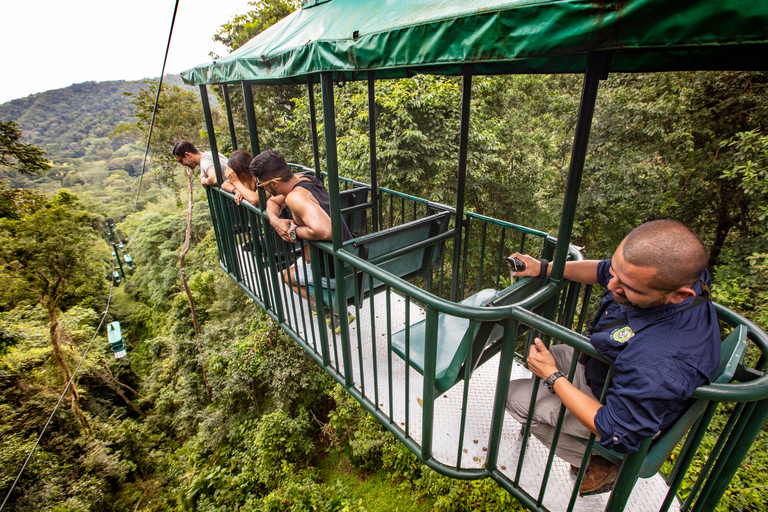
(687, 453)
(230, 119)
(506, 361)
(464, 270)
(313, 321)
(388, 293)
(464, 402)
(500, 259)
(714, 455)
(357, 300)
(250, 116)
(314, 255)
(407, 365)
(428, 389)
(556, 437)
(466, 101)
(313, 125)
(483, 239)
(374, 354)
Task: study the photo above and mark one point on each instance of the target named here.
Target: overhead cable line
(71, 379)
(154, 110)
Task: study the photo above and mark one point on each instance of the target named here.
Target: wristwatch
(551, 381)
(294, 236)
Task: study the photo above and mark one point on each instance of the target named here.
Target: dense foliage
(264, 428)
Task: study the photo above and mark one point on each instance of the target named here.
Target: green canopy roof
(398, 38)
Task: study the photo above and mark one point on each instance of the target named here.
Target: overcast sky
(50, 44)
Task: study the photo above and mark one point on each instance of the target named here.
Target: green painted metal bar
(313, 125)
(230, 120)
(628, 474)
(504, 224)
(597, 69)
(315, 255)
(466, 99)
(388, 294)
(500, 258)
(556, 436)
(748, 426)
(211, 135)
(374, 352)
(407, 366)
(686, 456)
(428, 393)
(372, 145)
(483, 236)
(250, 116)
(464, 259)
(506, 361)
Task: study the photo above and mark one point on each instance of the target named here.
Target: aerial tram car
(439, 329)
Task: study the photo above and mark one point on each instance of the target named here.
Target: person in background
(239, 175)
(187, 154)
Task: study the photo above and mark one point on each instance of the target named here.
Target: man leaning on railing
(657, 328)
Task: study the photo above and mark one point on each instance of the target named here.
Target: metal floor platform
(369, 352)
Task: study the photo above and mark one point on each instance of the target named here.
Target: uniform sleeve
(637, 403)
(603, 272)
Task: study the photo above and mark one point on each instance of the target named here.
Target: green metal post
(597, 69)
(211, 135)
(428, 398)
(372, 144)
(627, 478)
(466, 98)
(313, 126)
(250, 116)
(230, 120)
(332, 167)
(741, 445)
(228, 233)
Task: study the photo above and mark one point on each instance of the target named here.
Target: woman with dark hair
(246, 186)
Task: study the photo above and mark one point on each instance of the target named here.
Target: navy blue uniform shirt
(659, 357)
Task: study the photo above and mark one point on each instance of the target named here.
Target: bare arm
(311, 220)
(210, 179)
(579, 271)
(275, 205)
(581, 405)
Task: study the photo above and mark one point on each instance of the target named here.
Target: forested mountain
(76, 121)
(232, 414)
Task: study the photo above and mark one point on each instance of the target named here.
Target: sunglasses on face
(267, 182)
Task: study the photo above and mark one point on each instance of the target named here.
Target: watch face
(294, 236)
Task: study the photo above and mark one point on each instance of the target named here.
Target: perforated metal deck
(369, 350)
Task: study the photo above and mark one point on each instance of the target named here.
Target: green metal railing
(391, 355)
(258, 268)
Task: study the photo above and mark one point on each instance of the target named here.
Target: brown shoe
(575, 470)
(599, 477)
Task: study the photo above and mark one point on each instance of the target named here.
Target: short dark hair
(269, 165)
(184, 146)
(672, 248)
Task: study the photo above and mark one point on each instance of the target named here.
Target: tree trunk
(113, 383)
(66, 373)
(183, 270)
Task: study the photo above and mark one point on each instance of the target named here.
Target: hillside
(75, 122)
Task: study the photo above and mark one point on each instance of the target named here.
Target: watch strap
(550, 382)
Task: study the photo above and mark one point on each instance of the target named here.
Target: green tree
(51, 256)
(26, 158)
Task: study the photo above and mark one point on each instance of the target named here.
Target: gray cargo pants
(548, 407)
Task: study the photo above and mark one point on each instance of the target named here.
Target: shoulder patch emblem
(623, 335)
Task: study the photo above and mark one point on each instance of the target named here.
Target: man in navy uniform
(657, 327)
